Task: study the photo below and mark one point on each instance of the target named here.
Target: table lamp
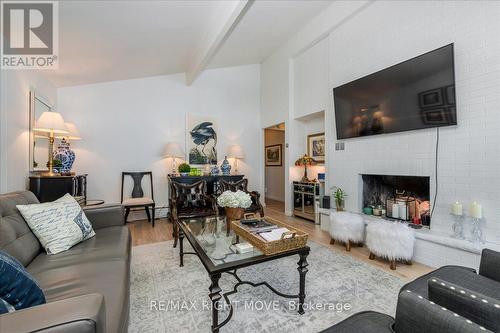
(305, 161)
(174, 150)
(53, 123)
(236, 152)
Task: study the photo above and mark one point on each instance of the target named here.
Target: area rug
(168, 298)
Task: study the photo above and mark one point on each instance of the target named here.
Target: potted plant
(56, 166)
(234, 204)
(339, 196)
(184, 169)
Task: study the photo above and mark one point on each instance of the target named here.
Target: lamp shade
(235, 151)
(174, 149)
(51, 121)
(73, 133)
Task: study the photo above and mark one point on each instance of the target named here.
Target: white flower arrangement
(237, 199)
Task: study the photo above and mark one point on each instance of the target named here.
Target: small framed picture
(430, 98)
(274, 155)
(316, 147)
(437, 116)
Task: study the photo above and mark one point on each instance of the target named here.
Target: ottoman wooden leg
(393, 265)
(409, 262)
(332, 241)
(372, 256)
(348, 246)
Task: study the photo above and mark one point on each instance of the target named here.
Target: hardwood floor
(143, 233)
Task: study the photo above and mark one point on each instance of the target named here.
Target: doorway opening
(274, 167)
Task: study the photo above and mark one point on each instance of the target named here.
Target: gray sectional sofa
(86, 287)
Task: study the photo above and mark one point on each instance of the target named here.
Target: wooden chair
(189, 201)
(137, 198)
(242, 185)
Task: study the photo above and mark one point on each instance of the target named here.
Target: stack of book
(264, 229)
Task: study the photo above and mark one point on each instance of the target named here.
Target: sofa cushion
(481, 309)
(16, 237)
(98, 265)
(58, 225)
(490, 265)
(17, 287)
(463, 276)
(364, 322)
(109, 244)
(109, 278)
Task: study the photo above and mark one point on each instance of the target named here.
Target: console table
(213, 182)
(49, 188)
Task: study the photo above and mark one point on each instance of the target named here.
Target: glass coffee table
(215, 248)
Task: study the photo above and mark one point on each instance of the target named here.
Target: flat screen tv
(415, 94)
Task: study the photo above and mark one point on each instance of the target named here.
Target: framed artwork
(431, 98)
(201, 140)
(437, 116)
(316, 147)
(274, 155)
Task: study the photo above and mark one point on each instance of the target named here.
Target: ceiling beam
(216, 38)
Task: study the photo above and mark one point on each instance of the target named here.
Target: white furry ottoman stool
(347, 228)
(390, 240)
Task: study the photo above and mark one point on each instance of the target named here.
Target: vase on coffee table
(233, 214)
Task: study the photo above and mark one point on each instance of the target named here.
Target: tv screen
(416, 94)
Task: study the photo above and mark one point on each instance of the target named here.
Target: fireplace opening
(405, 198)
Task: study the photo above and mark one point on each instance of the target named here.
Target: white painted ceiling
(117, 40)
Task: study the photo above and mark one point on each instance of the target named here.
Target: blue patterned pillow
(5, 307)
(17, 287)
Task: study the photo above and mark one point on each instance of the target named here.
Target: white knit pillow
(58, 225)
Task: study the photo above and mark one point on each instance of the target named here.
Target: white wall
(275, 175)
(14, 124)
(364, 37)
(126, 124)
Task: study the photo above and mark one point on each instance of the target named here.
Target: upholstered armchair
(242, 185)
(189, 201)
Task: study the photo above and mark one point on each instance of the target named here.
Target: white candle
(395, 210)
(403, 211)
(457, 209)
(476, 210)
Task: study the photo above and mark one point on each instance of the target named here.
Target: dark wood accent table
(50, 188)
(213, 246)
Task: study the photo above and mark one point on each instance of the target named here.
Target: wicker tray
(298, 239)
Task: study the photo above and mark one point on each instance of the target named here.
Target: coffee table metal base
(216, 295)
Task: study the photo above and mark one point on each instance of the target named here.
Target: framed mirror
(39, 141)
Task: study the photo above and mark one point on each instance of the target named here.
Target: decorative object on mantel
(174, 150)
(51, 122)
(305, 161)
(458, 214)
(339, 195)
(236, 152)
(234, 204)
(225, 167)
(476, 214)
(184, 169)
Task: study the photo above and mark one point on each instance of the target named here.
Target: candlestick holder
(458, 227)
(477, 231)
